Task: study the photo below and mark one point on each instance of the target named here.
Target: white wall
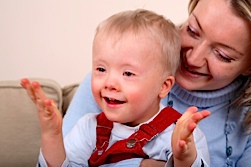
(53, 38)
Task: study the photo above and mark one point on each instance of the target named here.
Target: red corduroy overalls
(132, 146)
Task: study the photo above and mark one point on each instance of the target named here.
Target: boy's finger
(25, 83)
(188, 113)
(39, 93)
(200, 115)
(49, 107)
(40, 105)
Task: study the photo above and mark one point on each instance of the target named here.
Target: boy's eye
(128, 74)
(100, 69)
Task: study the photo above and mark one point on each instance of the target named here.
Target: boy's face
(127, 78)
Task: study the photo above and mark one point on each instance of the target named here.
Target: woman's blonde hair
(157, 27)
(243, 9)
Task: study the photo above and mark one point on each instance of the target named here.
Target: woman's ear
(166, 86)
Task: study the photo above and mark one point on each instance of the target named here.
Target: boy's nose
(111, 83)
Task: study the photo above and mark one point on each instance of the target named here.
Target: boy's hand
(184, 149)
(51, 124)
(49, 116)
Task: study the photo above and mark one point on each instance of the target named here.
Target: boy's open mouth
(113, 101)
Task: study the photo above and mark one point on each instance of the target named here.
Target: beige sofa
(19, 126)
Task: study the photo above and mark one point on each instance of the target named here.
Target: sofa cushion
(19, 124)
(68, 93)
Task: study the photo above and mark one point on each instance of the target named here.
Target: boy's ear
(247, 72)
(166, 86)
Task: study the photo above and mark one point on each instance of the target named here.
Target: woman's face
(216, 47)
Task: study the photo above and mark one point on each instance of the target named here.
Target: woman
(214, 74)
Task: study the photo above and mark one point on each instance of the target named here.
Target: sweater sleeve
(203, 158)
(82, 103)
(42, 163)
(79, 143)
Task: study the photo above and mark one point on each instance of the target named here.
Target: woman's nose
(197, 56)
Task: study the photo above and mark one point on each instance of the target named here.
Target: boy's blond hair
(158, 28)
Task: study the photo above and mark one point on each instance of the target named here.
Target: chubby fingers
(38, 91)
(48, 107)
(192, 117)
(33, 89)
(188, 113)
(26, 84)
(198, 116)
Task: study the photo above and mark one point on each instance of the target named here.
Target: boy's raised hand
(184, 149)
(50, 119)
(49, 116)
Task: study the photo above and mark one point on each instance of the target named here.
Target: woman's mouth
(188, 69)
(193, 72)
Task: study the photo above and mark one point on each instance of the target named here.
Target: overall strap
(132, 146)
(103, 131)
(165, 118)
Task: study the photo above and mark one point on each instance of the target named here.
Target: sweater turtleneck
(205, 99)
(223, 126)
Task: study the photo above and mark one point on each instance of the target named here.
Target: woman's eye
(222, 56)
(191, 32)
(128, 74)
(100, 69)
